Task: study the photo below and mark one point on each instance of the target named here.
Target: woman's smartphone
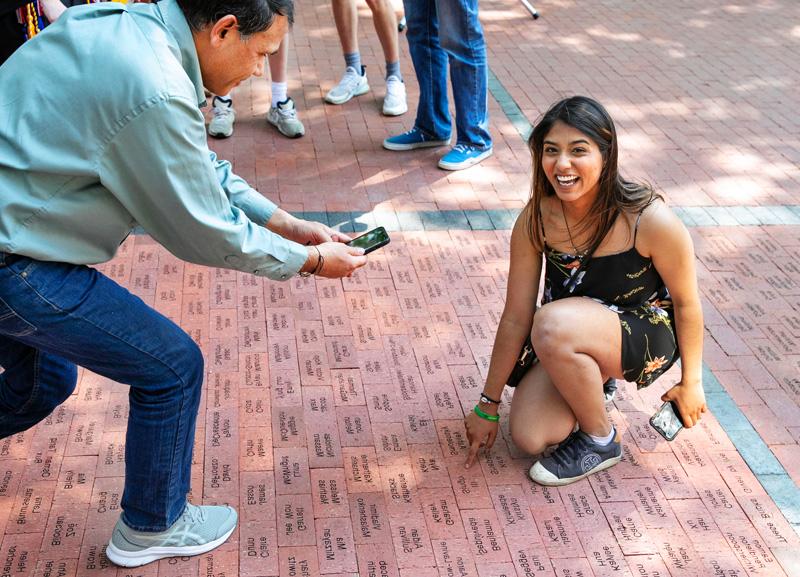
(372, 240)
(667, 421)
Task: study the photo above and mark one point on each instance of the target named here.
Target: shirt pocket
(12, 324)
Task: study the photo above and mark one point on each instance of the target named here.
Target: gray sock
(353, 60)
(393, 69)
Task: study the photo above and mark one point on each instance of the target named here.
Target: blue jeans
(448, 30)
(54, 316)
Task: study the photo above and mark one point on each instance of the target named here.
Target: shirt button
(283, 276)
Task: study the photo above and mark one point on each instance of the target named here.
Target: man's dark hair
(253, 15)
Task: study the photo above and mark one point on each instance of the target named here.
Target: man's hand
(302, 231)
(313, 233)
(338, 260)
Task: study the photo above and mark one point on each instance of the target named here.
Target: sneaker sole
(220, 134)
(569, 480)
(363, 90)
(286, 134)
(145, 556)
(396, 111)
(465, 164)
(427, 144)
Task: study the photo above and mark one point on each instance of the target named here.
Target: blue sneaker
(412, 139)
(574, 459)
(463, 156)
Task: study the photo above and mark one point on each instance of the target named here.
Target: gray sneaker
(352, 84)
(577, 457)
(283, 116)
(198, 530)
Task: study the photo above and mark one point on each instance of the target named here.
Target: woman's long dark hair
(615, 195)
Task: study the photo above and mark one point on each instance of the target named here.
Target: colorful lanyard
(30, 16)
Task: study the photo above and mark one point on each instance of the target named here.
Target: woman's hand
(480, 433)
(690, 399)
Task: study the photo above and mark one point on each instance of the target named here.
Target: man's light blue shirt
(100, 130)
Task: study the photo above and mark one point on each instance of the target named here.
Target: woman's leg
(540, 417)
(579, 344)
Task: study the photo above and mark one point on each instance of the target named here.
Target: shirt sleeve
(257, 207)
(159, 168)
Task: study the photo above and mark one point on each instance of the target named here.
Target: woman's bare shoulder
(657, 223)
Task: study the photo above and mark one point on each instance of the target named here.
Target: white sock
(279, 90)
(604, 440)
(226, 99)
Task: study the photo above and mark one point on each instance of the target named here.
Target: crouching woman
(620, 301)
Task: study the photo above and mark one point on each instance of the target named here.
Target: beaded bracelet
(486, 416)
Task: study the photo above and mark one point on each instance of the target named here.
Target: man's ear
(221, 28)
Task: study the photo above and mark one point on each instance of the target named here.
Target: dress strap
(636, 226)
(541, 226)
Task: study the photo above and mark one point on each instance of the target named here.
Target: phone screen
(371, 240)
(667, 421)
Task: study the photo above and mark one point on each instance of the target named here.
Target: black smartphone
(372, 240)
(667, 421)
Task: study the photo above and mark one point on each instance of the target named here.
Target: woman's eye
(578, 150)
(550, 150)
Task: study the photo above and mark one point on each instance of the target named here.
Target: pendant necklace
(578, 253)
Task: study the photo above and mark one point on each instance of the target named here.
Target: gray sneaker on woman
(575, 458)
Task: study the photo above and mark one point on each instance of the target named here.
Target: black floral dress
(628, 284)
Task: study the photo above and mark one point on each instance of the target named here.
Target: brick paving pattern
(332, 410)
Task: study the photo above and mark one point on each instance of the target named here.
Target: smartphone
(372, 240)
(667, 421)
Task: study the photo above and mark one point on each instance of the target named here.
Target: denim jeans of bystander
(442, 33)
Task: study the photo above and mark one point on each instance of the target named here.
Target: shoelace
(220, 111)
(572, 448)
(194, 514)
(462, 148)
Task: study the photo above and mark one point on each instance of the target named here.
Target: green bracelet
(486, 416)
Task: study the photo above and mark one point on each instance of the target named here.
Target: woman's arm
(669, 245)
(517, 319)
(515, 324)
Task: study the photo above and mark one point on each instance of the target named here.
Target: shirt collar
(176, 22)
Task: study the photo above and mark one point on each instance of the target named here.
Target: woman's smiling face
(572, 163)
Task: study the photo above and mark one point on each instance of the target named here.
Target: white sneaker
(394, 104)
(283, 116)
(221, 125)
(351, 84)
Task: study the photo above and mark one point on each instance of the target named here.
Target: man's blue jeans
(54, 316)
(448, 30)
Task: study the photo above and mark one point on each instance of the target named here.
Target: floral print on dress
(628, 285)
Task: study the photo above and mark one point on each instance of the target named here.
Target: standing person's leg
(461, 36)
(76, 315)
(383, 18)
(354, 81)
(433, 125)
(283, 113)
(222, 116)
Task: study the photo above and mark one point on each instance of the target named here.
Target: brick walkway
(332, 409)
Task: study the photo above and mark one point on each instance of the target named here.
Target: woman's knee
(552, 327)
